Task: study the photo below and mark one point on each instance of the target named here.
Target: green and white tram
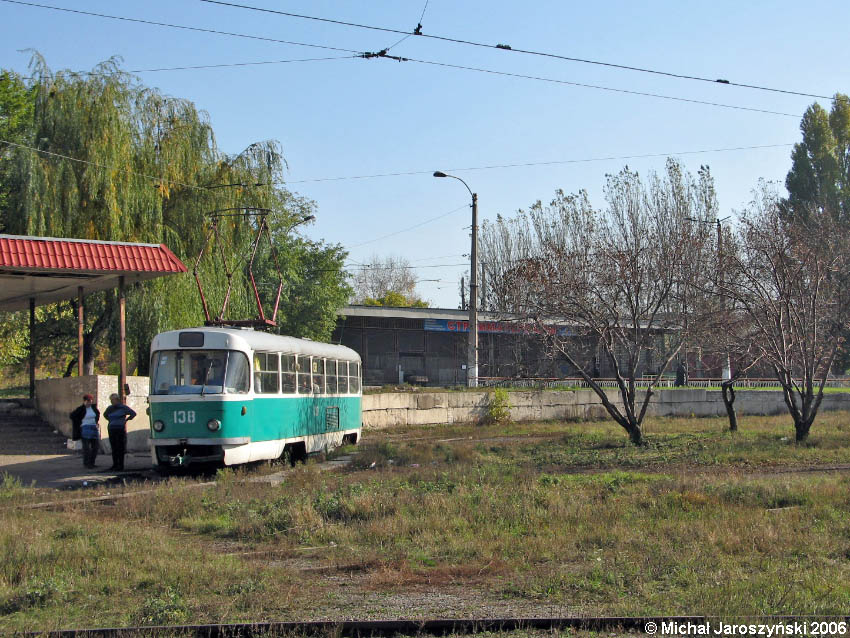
(233, 395)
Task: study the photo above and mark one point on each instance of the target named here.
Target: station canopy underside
(47, 270)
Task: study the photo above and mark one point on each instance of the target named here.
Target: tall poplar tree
(819, 179)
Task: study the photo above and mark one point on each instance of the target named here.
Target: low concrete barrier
(55, 399)
(431, 408)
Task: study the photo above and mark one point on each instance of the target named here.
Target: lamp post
(472, 354)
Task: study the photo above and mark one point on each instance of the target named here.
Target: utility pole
(483, 287)
(472, 349)
(727, 366)
(472, 365)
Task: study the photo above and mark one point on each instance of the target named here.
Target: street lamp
(472, 354)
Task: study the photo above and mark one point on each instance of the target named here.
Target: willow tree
(116, 160)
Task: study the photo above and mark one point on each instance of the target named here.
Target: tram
(233, 395)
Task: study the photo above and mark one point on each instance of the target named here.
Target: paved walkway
(66, 471)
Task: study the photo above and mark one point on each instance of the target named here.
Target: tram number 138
(184, 416)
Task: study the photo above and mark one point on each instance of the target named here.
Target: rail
(401, 627)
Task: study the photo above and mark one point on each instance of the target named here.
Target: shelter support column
(32, 348)
(122, 337)
(80, 336)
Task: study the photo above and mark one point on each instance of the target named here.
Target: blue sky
(354, 117)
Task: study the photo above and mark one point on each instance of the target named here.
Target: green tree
(396, 300)
(819, 179)
(100, 138)
(16, 113)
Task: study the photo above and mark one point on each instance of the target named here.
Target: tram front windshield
(199, 372)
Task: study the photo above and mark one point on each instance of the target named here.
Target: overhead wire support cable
(159, 180)
(404, 230)
(178, 26)
(506, 47)
(416, 31)
(543, 163)
(398, 174)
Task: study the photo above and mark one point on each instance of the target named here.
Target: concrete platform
(66, 471)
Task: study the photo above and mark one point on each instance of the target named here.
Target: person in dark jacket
(85, 426)
(117, 416)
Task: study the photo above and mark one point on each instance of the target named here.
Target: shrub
(499, 409)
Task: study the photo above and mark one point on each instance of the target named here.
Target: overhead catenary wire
(368, 267)
(511, 49)
(383, 54)
(587, 86)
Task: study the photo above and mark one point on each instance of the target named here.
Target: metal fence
(665, 382)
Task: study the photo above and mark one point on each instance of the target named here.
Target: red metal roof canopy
(50, 269)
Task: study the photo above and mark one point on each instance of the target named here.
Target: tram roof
(256, 340)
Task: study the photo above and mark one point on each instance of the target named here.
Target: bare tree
(625, 283)
(729, 338)
(379, 277)
(788, 282)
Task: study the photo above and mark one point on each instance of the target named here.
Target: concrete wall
(55, 399)
(429, 408)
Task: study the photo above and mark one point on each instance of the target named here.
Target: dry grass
(572, 517)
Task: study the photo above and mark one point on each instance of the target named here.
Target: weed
(499, 407)
(166, 607)
(10, 486)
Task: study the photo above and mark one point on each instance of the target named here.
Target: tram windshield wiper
(206, 377)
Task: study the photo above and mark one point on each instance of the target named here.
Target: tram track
(380, 628)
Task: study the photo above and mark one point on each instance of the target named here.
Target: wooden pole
(32, 348)
(122, 336)
(80, 326)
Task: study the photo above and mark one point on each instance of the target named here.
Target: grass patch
(520, 518)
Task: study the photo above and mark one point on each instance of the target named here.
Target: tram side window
(331, 376)
(342, 376)
(287, 377)
(266, 377)
(354, 377)
(304, 385)
(318, 376)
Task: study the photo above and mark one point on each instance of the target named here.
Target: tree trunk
(99, 328)
(88, 355)
(728, 392)
(635, 434)
(801, 430)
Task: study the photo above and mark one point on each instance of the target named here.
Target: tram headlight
(213, 425)
(158, 426)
